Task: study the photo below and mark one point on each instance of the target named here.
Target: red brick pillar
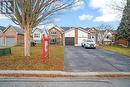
(76, 37)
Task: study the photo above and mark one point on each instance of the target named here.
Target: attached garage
(70, 37)
(13, 36)
(1, 41)
(74, 36)
(10, 41)
(69, 40)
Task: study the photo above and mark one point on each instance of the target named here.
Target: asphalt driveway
(78, 59)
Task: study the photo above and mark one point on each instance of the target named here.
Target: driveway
(78, 59)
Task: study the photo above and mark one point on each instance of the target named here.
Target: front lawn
(16, 61)
(117, 49)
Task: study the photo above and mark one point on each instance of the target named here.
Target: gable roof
(40, 30)
(37, 29)
(2, 28)
(17, 29)
(66, 28)
(92, 30)
(82, 29)
(87, 28)
(73, 28)
(58, 28)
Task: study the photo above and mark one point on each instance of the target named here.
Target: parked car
(90, 44)
(33, 43)
(82, 43)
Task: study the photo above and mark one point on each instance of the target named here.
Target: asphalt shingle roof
(66, 28)
(18, 30)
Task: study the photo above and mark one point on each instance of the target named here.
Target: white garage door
(80, 40)
(1, 41)
(10, 41)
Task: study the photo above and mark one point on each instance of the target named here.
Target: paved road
(92, 60)
(31, 82)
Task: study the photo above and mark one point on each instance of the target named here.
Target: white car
(90, 44)
(83, 42)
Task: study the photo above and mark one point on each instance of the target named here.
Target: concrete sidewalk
(62, 82)
(67, 74)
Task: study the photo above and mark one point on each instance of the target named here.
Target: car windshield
(84, 40)
(89, 40)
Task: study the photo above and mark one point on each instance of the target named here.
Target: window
(37, 35)
(53, 32)
(53, 40)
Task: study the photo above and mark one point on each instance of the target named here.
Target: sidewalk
(63, 82)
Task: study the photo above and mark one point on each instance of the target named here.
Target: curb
(66, 74)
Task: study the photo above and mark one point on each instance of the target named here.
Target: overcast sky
(88, 13)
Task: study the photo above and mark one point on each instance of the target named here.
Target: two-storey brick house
(56, 35)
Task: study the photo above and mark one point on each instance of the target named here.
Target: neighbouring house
(74, 35)
(37, 34)
(92, 34)
(105, 36)
(56, 35)
(13, 36)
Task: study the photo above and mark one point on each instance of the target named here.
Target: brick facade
(20, 39)
(93, 34)
(56, 36)
(10, 32)
(76, 37)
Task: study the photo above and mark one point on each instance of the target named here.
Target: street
(78, 59)
(60, 82)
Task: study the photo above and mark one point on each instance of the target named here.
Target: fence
(122, 42)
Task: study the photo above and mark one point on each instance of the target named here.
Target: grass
(117, 49)
(16, 61)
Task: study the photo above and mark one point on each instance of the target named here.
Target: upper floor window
(37, 35)
(53, 32)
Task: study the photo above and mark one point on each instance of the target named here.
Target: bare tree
(118, 6)
(105, 27)
(103, 31)
(31, 13)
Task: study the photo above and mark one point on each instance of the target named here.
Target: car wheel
(85, 46)
(82, 45)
